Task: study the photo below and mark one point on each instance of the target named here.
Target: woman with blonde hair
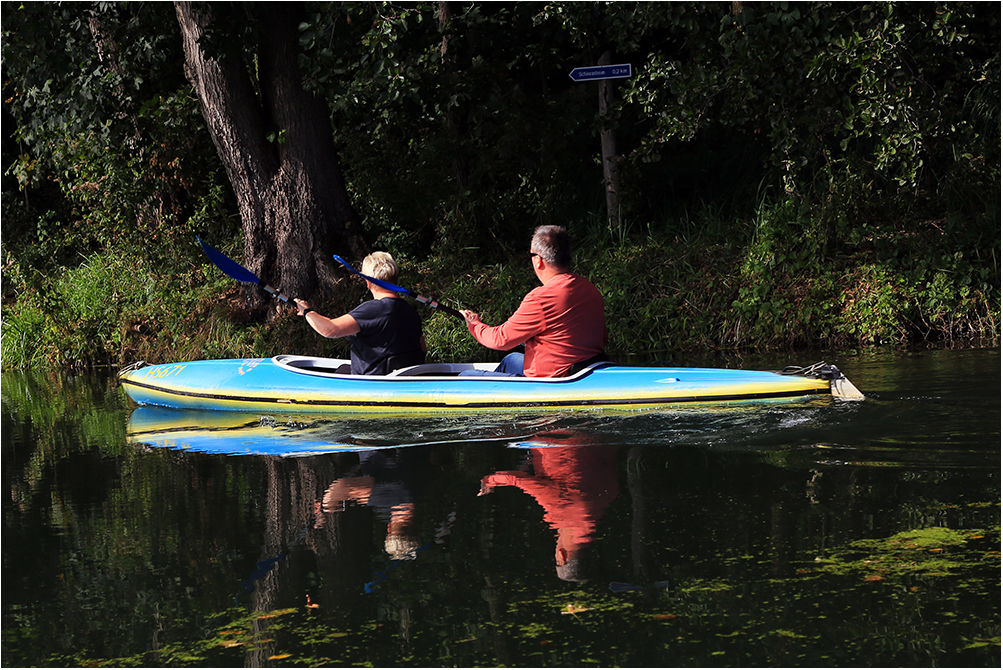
(385, 332)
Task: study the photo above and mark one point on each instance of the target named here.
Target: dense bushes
(792, 175)
(761, 287)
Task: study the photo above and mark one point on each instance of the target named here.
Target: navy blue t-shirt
(387, 327)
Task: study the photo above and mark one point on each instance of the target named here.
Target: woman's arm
(343, 326)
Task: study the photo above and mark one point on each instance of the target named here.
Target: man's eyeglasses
(533, 253)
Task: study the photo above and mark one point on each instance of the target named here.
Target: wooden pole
(611, 176)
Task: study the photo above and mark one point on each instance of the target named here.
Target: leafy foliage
(792, 173)
(105, 113)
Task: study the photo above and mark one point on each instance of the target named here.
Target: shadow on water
(790, 533)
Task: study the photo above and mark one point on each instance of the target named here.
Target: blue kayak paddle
(428, 302)
(235, 270)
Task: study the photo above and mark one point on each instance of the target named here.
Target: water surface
(813, 533)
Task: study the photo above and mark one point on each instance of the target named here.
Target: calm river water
(814, 533)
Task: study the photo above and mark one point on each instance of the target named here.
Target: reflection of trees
(111, 548)
(149, 544)
(329, 550)
(638, 516)
(326, 546)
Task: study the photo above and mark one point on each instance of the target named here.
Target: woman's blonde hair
(380, 265)
(401, 547)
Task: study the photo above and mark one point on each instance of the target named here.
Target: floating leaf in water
(663, 617)
(874, 578)
(278, 657)
(574, 609)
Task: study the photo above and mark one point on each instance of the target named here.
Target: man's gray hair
(553, 245)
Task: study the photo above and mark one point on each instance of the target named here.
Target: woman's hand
(301, 306)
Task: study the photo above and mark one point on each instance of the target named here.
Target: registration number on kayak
(164, 371)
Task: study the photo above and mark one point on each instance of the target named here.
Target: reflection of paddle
(624, 587)
(263, 568)
(235, 270)
(429, 302)
(267, 565)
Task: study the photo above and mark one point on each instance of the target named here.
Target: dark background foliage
(792, 174)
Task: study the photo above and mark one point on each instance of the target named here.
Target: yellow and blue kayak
(308, 384)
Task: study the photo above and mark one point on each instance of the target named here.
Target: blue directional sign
(601, 72)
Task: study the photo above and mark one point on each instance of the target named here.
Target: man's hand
(470, 317)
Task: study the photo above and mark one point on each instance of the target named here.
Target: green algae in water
(933, 551)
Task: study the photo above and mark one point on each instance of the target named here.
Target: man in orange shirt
(562, 323)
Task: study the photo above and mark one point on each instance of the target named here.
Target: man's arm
(528, 320)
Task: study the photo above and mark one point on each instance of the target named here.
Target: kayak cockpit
(336, 367)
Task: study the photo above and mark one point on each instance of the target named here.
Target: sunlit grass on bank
(763, 284)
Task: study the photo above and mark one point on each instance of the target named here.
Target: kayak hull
(312, 385)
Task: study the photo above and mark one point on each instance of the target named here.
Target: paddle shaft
(235, 270)
(428, 302)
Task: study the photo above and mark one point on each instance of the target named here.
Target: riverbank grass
(695, 286)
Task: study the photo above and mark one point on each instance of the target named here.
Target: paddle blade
(229, 267)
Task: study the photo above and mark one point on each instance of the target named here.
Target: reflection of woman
(391, 481)
(573, 485)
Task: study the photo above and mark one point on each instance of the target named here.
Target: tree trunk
(276, 144)
(456, 113)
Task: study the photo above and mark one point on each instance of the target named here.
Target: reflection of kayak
(306, 384)
(230, 433)
(295, 435)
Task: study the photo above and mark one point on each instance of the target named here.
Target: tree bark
(276, 144)
(456, 113)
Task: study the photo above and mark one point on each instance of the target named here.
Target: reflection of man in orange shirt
(573, 485)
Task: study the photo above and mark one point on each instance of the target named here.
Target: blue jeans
(510, 366)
